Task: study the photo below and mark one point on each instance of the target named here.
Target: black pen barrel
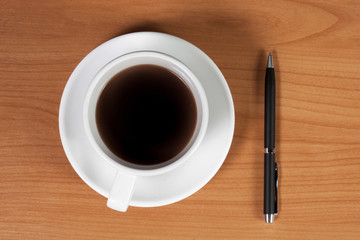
(269, 109)
(269, 183)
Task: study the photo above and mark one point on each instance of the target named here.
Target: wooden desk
(316, 45)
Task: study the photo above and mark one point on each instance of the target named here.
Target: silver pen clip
(276, 190)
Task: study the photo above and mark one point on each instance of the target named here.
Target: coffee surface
(146, 115)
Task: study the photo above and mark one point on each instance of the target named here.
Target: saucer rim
(196, 186)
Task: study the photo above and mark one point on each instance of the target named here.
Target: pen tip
(270, 61)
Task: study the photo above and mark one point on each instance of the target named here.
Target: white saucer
(179, 183)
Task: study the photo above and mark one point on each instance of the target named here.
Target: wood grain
(316, 45)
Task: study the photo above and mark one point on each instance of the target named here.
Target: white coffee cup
(123, 184)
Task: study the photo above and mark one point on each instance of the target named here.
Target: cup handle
(121, 192)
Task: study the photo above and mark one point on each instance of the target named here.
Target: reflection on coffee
(146, 115)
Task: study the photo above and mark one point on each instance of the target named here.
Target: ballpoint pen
(270, 167)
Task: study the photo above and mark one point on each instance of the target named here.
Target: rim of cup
(129, 60)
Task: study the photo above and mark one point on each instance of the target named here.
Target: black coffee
(146, 115)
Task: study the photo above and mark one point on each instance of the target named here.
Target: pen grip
(269, 109)
(269, 183)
